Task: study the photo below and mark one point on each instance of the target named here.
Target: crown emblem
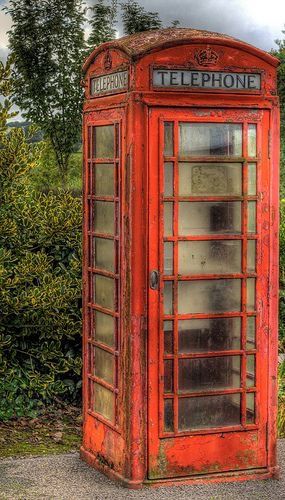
(108, 61)
(207, 57)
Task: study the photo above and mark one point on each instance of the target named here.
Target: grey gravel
(67, 477)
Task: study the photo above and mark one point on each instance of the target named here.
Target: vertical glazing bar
(175, 272)
(161, 267)
(244, 270)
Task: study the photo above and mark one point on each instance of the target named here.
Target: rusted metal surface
(134, 447)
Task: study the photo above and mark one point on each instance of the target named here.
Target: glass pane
(168, 297)
(168, 138)
(209, 411)
(104, 402)
(210, 179)
(207, 374)
(168, 337)
(104, 254)
(250, 370)
(104, 179)
(251, 256)
(251, 139)
(206, 257)
(251, 189)
(168, 258)
(104, 365)
(209, 217)
(104, 141)
(104, 291)
(250, 408)
(210, 139)
(168, 218)
(168, 179)
(168, 376)
(250, 293)
(206, 296)
(104, 217)
(168, 415)
(251, 217)
(250, 332)
(105, 329)
(204, 335)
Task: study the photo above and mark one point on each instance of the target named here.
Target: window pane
(104, 217)
(168, 258)
(168, 138)
(250, 408)
(250, 332)
(204, 335)
(104, 141)
(250, 292)
(104, 179)
(209, 411)
(251, 189)
(250, 370)
(104, 365)
(251, 256)
(168, 297)
(168, 337)
(168, 415)
(168, 376)
(206, 374)
(251, 222)
(104, 254)
(209, 217)
(168, 179)
(205, 257)
(251, 139)
(206, 296)
(168, 219)
(210, 179)
(104, 291)
(105, 329)
(104, 402)
(210, 139)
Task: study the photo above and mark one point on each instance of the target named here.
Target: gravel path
(66, 477)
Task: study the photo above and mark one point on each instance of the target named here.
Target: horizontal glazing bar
(213, 430)
(102, 198)
(205, 237)
(103, 309)
(207, 198)
(105, 273)
(107, 160)
(207, 315)
(209, 159)
(103, 383)
(107, 236)
(209, 354)
(104, 347)
(208, 276)
(100, 417)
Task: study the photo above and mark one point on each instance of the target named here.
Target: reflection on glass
(207, 296)
(104, 291)
(210, 139)
(250, 370)
(168, 178)
(210, 179)
(250, 294)
(104, 179)
(104, 141)
(104, 402)
(168, 138)
(251, 256)
(104, 217)
(209, 411)
(250, 408)
(251, 217)
(252, 139)
(251, 188)
(250, 332)
(104, 254)
(168, 297)
(168, 257)
(209, 218)
(168, 218)
(205, 335)
(104, 365)
(104, 329)
(206, 374)
(168, 415)
(205, 257)
(168, 376)
(168, 337)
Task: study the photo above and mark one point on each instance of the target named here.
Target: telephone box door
(208, 291)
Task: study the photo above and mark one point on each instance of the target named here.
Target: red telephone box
(180, 259)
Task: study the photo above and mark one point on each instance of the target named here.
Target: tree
(102, 23)
(47, 41)
(136, 18)
(280, 54)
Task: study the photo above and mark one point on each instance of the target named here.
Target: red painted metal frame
(128, 452)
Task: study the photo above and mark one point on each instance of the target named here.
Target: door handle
(154, 280)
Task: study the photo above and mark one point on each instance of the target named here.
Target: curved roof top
(139, 44)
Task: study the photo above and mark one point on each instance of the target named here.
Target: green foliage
(281, 400)
(102, 23)
(136, 18)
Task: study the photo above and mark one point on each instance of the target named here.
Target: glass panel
(168, 258)
(209, 217)
(206, 257)
(210, 179)
(168, 218)
(250, 370)
(250, 294)
(104, 141)
(251, 256)
(251, 139)
(210, 139)
(204, 335)
(168, 179)
(251, 217)
(104, 402)
(168, 297)
(251, 188)
(104, 254)
(168, 138)
(104, 291)
(105, 329)
(168, 415)
(104, 365)
(209, 411)
(250, 408)
(104, 179)
(168, 337)
(207, 296)
(250, 332)
(168, 376)
(104, 217)
(207, 374)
